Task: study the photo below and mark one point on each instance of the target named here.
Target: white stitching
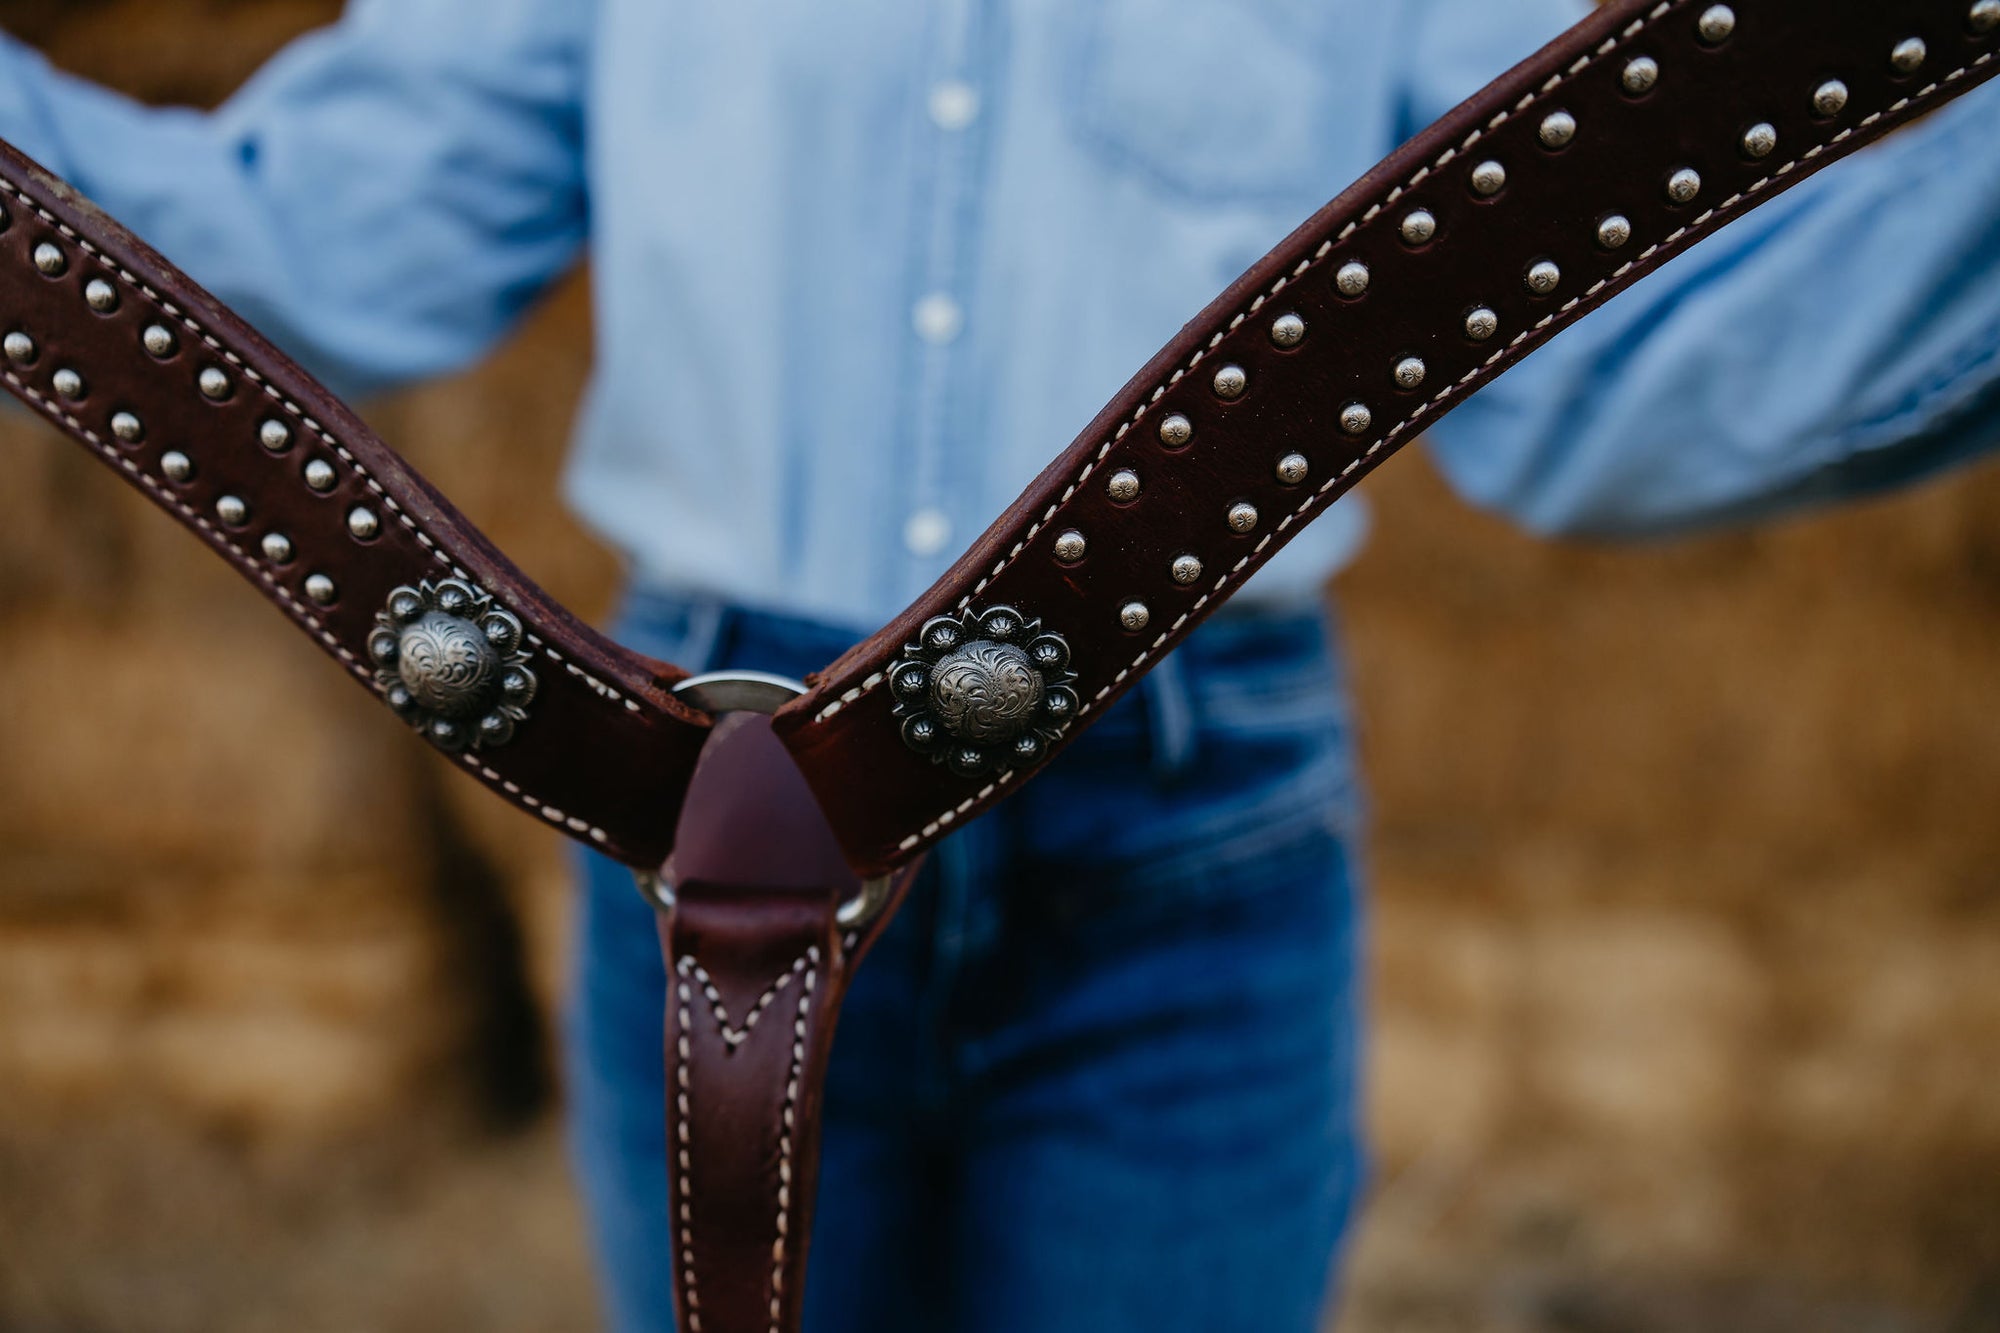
(932, 829)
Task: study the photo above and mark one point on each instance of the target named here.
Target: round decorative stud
(1684, 185)
(1481, 324)
(1410, 372)
(1177, 430)
(1984, 16)
(20, 348)
(1908, 55)
(1124, 485)
(1543, 277)
(362, 523)
(49, 259)
(67, 383)
(1242, 517)
(1760, 139)
(453, 663)
(158, 339)
(277, 548)
(176, 466)
(1352, 279)
(1292, 469)
(320, 475)
(1419, 226)
(1185, 569)
(231, 510)
(1830, 98)
(1557, 129)
(213, 382)
(1288, 330)
(1070, 546)
(1715, 24)
(127, 427)
(1134, 616)
(1230, 382)
(984, 689)
(1641, 73)
(275, 436)
(100, 295)
(320, 588)
(1613, 232)
(1488, 179)
(1355, 418)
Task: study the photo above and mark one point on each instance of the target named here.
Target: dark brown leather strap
(1642, 130)
(133, 361)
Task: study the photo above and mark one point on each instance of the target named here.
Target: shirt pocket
(1220, 101)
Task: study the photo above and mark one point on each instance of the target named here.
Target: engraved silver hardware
(277, 548)
(19, 347)
(1352, 279)
(231, 510)
(1543, 276)
(320, 475)
(320, 588)
(1984, 16)
(1488, 178)
(1070, 546)
(1684, 185)
(1830, 98)
(1419, 225)
(1715, 24)
(1481, 324)
(1908, 55)
(176, 466)
(453, 663)
(983, 690)
(101, 295)
(1124, 484)
(1641, 73)
(1557, 129)
(1410, 372)
(275, 436)
(1242, 517)
(1231, 381)
(1292, 469)
(362, 523)
(1288, 330)
(213, 382)
(49, 259)
(1134, 616)
(1760, 139)
(1185, 569)
(127, 427)
(1614, 231)
(1355, 418)
(67, 383)
(158, 339)
(1176, 431)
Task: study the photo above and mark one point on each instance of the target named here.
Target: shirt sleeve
(1843, 339)
(382, 199)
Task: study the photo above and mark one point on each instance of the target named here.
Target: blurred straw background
(1687, 925)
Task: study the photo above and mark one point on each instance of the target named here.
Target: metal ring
(756, 692)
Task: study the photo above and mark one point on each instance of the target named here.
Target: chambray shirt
(861, 269)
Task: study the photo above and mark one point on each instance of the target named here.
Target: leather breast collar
(1643, 129)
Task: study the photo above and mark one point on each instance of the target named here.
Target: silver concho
(984, 690)
(452, 663)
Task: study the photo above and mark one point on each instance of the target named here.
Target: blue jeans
(1101, 1074)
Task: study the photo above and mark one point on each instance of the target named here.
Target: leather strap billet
(758, 962)
(1676, 117)
(177, 395)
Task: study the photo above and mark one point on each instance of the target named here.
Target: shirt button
(926, 531)
(938, 318)
(954, 105)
